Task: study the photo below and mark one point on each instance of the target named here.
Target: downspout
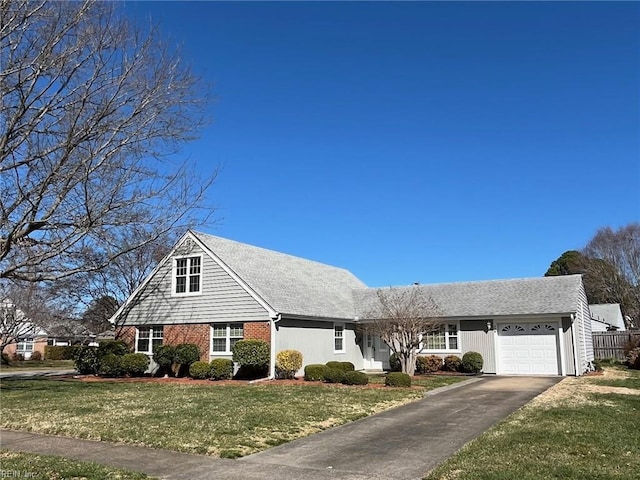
(574, 339)
(272, 336)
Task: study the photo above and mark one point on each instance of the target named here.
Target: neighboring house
(213, 292)
(25, 337)
(606, 317)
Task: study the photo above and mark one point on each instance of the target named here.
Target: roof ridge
(275, 252)
(470, 282)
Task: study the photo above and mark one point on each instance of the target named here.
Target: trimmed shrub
(355, 378)
(347, 366)
(200, 370)
(5, 360)
(397, 379)
(288, 362)
(394, 363)
(37, 356)
(17, 357)
(116, 347)
(163, 355)
(633, 358)
(314, 372)
(134, 364)
(472, 362)
(631, 344)
(185, 355)
(452, 363)
(333, 375)
(86, 360)
(428, 364)
(221, 368)
(344, 366)
(111, 365)
(58, 353)
(252, 356)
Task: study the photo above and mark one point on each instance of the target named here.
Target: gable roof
(522, 296)
(608, 313)
(291, 285)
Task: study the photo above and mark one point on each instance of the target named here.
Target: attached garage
(528, 348)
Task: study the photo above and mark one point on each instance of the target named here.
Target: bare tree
(23, 311)
(92, 109)
(619, 249)
(400, 316)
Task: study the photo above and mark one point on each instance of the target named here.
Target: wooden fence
(611, 344)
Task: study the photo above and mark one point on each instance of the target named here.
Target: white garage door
(528, 348)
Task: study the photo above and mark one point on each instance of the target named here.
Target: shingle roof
(609, 313)
(290, 285)
(544, 295)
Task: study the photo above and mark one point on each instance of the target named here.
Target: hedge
(397, 379)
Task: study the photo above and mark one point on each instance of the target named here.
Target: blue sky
(416, 141)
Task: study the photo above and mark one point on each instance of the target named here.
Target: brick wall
(257, 331)
(128, 336)
(39, 345)
(198, 334)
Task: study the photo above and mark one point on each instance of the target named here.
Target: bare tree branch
(92, 107)
(400, 316)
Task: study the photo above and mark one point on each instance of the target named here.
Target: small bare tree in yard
(92, 110)
(400, 316)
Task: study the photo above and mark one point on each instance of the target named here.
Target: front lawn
(582, 428)
(219, 420)
(46, 467)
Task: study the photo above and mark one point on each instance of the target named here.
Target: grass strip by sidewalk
(227, 421)
(48, 467)
(583, 428)
(38, 365)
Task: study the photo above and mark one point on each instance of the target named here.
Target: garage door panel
(528, 349)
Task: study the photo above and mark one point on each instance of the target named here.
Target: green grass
(46, 467)
(584, 435)
(227, 421)
(38, 365)
(429, 382)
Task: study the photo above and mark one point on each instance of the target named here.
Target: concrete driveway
(406, 442)
(403, 443)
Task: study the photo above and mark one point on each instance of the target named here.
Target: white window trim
(23, 342)
(423, 349)
(151, 329)
(174, 266)
(344, 343)
(227, 338)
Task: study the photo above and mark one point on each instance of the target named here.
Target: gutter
(272, 336)
(575, 346)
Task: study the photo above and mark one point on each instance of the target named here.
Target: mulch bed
(190, 381)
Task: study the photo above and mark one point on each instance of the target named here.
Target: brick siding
(128, 336)
(257, 331)
(191, 333)
(197, 333)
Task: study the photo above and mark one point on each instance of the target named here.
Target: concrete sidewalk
(402, 443)
(35, 373)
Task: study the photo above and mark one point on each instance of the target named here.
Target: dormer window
(187, 275)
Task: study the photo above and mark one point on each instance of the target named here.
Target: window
(148, 339)
(444, 338)
(25, 345)
(187, 275)
(224, 336)
(338, 338)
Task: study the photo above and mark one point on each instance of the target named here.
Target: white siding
(222, 298)
(314, 340)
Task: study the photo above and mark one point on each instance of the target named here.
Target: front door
(376, 353)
